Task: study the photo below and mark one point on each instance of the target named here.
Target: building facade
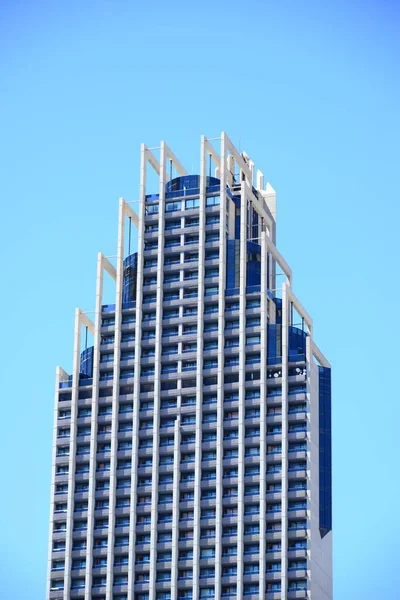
(192, 440)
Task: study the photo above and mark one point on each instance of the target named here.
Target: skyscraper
(192, 441)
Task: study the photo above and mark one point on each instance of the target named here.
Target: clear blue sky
(311, 91)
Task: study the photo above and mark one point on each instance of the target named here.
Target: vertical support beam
(93, 429)
(199, 373)
(263, 412)
(310, 487)
(175, 509)
(242, 360)
(115, 398)
(72, 452)
(53, 476)
(157, 374)
(136, 381)
(284, 477)
(221, 359)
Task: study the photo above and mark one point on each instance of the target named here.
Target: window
(210, 418)
(122, 540)
(62, 433)
(165, 479)
(210, 308)
(251, 509)
(249, 490)
(188, 401)
(172, 224)
(252, 451)
(170, 243)
(210, 454)
(172, 206)
(212, 237)
(62, 470)
(229, 551)
(252, 413)
(164, 556)
(63, 451)
(189, 365)
(106, 322)
(194, 203)
(151, 209)
(56, 585)
(231, 453)
(191, 222)
(80, 506)
(207, 572)
(294, 565)
(101, 485)
(297, 505)
(253, 322)
(252, 432)
(229, 530)
(252, 359)
(58, 565)
(58, 546)
(173, 259)
(252, 339)
(297, 585)
(229, 570)
(211, 291)
(81, 487)
(297, 427)
(151, 262)
(207, 552)
(207, 592)
(171, 277)
(251, 549)
(212, 201)
(250, 588)
(61, 488)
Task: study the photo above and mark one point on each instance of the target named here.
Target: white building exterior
(192, 441)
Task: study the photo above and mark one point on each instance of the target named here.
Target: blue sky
(311, 91)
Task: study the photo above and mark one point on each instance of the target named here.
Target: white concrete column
(72, 452)
(157, 374)
(115, 398)
(175, 509)
(221, 359)
(60, 375)
(136, 381)
(242, 391)
(263, 412)
(199, 374)
(93, 429)
(313, 482)
(284, 474)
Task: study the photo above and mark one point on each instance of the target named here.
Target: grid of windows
(210, 447)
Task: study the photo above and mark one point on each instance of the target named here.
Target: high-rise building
(192, 441)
